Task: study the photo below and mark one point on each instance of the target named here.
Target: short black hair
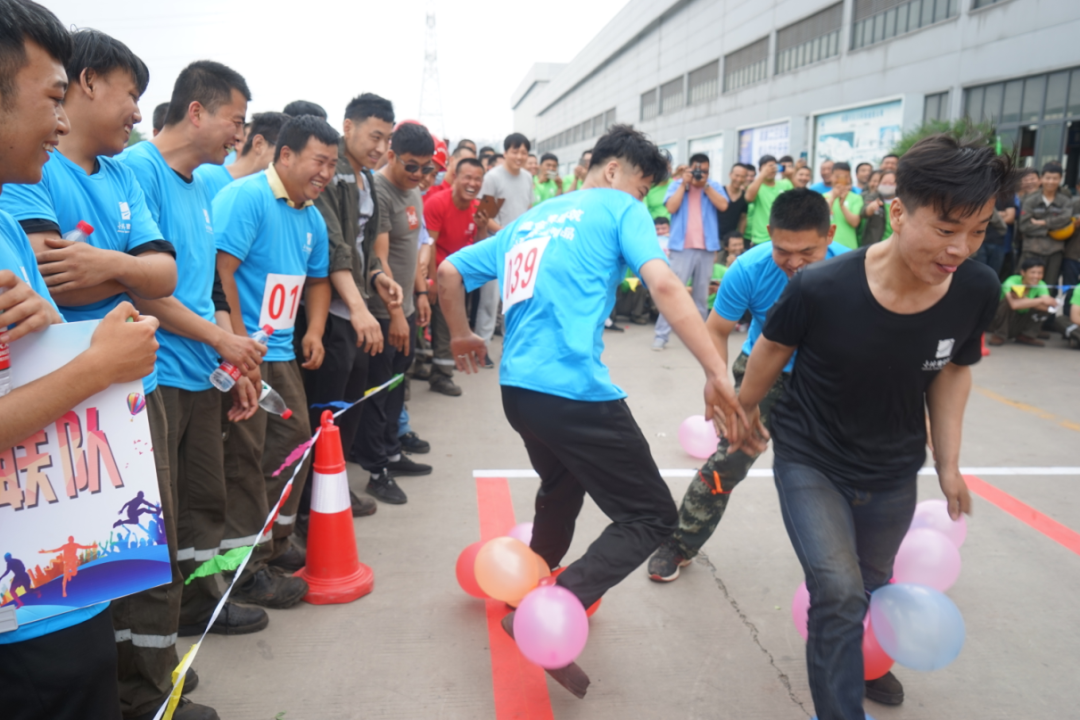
(661, 220)
(841, 166)
(515, 140)
(465, 142)
(801, 209)
(733, 234)
(22, 20)
(296, 132)
(1052, 167)
(787, 159)
(304, 107)
(890, 155)
(1031, 262)
(952, 173)
(267, 124)
(863, 163)
(549, 156)
(493, 158)
(159, 115)
(101, 53)
(765, 159)
(468, 161)
(206, 82)
(412, 139)
(486, 150)
(747, 166)
(623, 142)
(587, 152)
(362, 107)
(699, 158)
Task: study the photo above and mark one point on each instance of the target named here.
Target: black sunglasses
(413, 168)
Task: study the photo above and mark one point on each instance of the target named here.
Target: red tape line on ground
(1047, 526)
(520, 687)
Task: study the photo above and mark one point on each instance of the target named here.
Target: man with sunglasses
(400, 207)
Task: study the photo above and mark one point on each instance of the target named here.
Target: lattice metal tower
(431, 113)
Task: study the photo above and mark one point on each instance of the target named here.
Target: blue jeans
(404, 428)
(992, 254)
(846, 540)
(1070, 275)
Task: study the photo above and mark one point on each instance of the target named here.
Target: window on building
(936, 107)
(746, 66)
(879, 20)
(671, 96)
(649, 106)
(811, 39)
(704, 83)
(609, 118)
(598, 125)
(983, 3)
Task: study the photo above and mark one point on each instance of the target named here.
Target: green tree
(135, 137)
(964, 127)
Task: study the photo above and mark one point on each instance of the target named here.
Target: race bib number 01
(522, 269)
(281, 298)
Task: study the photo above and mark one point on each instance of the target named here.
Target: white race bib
(522, 269)
(281, 298)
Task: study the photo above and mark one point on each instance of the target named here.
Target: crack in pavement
(781, 675)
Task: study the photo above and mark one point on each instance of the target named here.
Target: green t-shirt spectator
(757, 215)
(1017, 282)
(654, 201)
(571, 183)
(544, 191)
(718, 270)
(845, 234)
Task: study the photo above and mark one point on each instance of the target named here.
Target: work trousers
(695, 266)
(145, 623)
(442, 362)
(1008, 324)
(197, 459)
(596, 448)
(487, 310)
(254, 450)
(377, 439)
(704, 503)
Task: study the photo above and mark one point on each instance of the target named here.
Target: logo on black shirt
(944, 355)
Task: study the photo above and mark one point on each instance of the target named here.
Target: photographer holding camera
(547, 183)
(693, 201)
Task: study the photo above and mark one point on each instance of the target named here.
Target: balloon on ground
(506, 569)
(547, 581)
(917, 626)
(927, 557)
(800, 610)
(876, 661)
(466, 571)
(522, 532)
(698, 437)
(934, 515)
(550, 627)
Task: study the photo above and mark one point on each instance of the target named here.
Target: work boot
(191, 680)
(886, 690)
(290, 561)
(185, 710)
(405, 465)
(411, 442)
(571, 677)
(445, 386)
(362, 506)
(383, 487)
(270, 589)
(232, 620)
(665, 563)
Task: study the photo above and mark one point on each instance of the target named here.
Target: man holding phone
(547, 183)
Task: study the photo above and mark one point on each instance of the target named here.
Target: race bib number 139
(281, 298)
(522, 268)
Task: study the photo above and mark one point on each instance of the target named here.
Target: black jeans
(596, 448)
(377, 439)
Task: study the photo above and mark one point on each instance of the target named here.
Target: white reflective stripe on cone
(330, 493)
(146, 641)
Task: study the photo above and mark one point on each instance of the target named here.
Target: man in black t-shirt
(730, 218)
(884, 334)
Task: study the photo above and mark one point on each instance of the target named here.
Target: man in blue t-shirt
(253, 157)
(272, 252)
(206, 111)
(76, 650)
(801, 230)
(558, 266)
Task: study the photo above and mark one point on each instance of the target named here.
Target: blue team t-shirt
(754, 282)
(214, 176)
(181, 209)
(110, 200)
(554, 338)
(277, 246)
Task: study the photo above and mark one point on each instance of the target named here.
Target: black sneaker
(405, 465)
(382, 487)
(444, 385)
(185, 710)
(271, 589)
(191, 680)
(411, 442)
(362, 506)
(665, 563)
(233, 620)
(292, 560)
(886, 690)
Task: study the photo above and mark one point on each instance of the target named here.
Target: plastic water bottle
(226, 374)
(272, 402)
(5, 366)
(82, 232)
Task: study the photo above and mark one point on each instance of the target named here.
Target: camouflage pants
(707, 496)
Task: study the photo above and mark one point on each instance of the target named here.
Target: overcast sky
(328, 52)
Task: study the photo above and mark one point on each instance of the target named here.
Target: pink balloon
(927, 557)
(934, 515)
(698, 437)
(800, 610)
(522, 532)
(550, 627)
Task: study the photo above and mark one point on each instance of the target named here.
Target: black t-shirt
(729, 219)
(854, 407)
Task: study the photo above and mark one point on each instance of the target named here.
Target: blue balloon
(917, 626)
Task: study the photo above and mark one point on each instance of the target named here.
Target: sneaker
(362, 506)
(886, 690)
(292, 560)
(233, 620)
(421, 371)
(411, 443)
(1072, 334)
(488, 363)
(443, 384)
(382, 487)
(272, 589)
(659, 344)
(185, 710)
(1025, 340)
(665, 563)
(405, 465)
(191, 680)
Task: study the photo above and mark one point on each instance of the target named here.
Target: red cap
(268, 330)
(329, 459)
(440, 156)
(85, 227)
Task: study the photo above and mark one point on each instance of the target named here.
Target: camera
(697, 173)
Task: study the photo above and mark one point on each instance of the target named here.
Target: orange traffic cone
(985, 350)
(334, 573)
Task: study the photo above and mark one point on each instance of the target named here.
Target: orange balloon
(542, 566)
(506, 569)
